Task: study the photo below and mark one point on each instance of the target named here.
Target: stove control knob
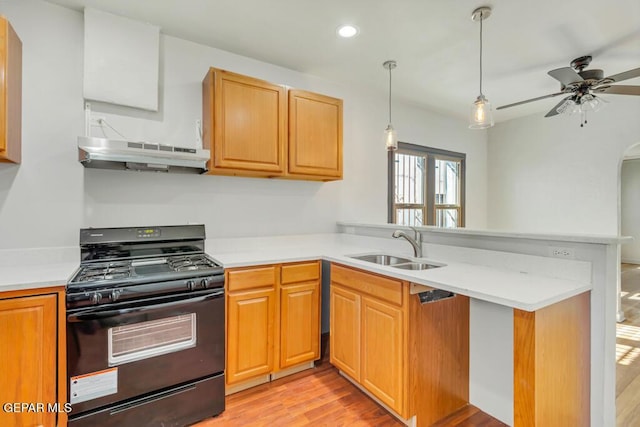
(191, 285)
(115, 294)
(204, 283)
(96, 297)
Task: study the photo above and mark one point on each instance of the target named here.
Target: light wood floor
(320, 397)
(628, 350)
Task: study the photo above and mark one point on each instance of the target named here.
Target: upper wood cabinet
(10, 93)
(244, 124)
(252, 130)
(315, 135)
(32, 356)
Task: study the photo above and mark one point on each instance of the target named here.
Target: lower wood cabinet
(273, 321)
(299, 323)
(250, 327)
(369, 334)
(383, 338)
(32, 357)
(412, 358)
(344, 337)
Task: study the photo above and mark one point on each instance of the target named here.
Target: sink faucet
(416, 243)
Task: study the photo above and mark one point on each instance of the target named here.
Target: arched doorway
(628, 328)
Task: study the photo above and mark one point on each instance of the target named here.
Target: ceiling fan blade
(529, 100)
(619, 90)
(626, 75)
(565, 75)
(554, 110)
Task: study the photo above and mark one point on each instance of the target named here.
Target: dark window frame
(431, 154)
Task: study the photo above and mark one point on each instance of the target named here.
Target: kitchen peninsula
(513, 284)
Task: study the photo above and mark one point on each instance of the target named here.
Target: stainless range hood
(140, 156)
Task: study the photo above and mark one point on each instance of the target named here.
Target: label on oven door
(93, 385)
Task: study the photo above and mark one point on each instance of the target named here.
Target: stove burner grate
(190, 263)
(107, 271)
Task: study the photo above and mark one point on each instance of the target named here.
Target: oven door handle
(96, 314)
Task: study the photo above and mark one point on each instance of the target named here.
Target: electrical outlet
(559, 252)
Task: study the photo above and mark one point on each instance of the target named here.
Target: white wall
(491, 359)
(45, 200)
(630, 209)
(551, 175)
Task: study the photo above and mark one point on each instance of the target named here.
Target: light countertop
(36, 276)
(33, 268)
(525, 291)
(605, 239)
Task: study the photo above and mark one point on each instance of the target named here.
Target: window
(151, 338)
(426, 186)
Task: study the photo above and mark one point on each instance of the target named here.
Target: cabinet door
(10, 93)
(250, 329)
(248, 126)
(299, 323)
(28, 348)
(315, 135)
(344, 346)
(4, 27)
(382, 352)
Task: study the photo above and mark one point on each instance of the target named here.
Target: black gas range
(145, 328)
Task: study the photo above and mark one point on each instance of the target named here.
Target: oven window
(152, 338)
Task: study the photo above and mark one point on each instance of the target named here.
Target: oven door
(120, 351)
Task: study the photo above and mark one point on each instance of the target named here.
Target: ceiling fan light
(568, 107)
(481, 116)
(390, 138)
(592, 103)
(586, 98)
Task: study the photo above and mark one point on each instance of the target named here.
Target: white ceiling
(434, 42)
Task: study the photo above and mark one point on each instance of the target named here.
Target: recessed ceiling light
(347, 31)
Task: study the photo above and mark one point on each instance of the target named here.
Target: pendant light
(390, 134)
(481, 116)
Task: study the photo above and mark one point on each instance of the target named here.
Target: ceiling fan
(580, 85)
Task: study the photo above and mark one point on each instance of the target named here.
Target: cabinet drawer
(251, 277)
(384, 288)
(293, 273)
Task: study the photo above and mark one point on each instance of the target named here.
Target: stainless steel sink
(415, 266)
(382, 259)
(396, 262)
